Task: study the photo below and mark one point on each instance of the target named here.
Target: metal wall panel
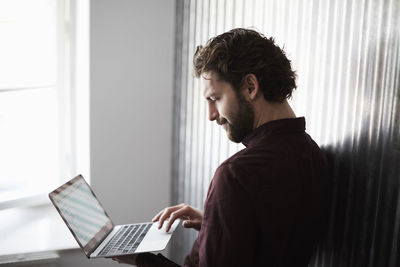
(347, 57)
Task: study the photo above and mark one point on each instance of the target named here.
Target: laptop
(93, 229)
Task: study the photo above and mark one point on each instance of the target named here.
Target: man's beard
(241, 123)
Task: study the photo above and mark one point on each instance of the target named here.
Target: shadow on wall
(364, 221)
(364, 216)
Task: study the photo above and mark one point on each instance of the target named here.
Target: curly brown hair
(238, 52)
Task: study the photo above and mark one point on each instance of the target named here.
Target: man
(266, 204)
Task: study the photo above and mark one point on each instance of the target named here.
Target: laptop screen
(82, 212)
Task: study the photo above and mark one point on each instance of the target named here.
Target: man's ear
(251, 86)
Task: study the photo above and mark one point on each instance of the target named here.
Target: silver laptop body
(93, 229)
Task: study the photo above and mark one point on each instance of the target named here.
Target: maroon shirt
(266, 204)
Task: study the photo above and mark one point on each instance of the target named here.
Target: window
(42, 140)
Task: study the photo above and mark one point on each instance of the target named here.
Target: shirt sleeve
(228, 232)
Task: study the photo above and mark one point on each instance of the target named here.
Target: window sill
(23, 199)
(32, 230)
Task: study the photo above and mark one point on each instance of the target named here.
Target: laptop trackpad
(156, 239)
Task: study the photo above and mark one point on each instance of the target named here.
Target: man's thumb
(188, 224)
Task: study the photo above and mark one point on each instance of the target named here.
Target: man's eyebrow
(209, 96)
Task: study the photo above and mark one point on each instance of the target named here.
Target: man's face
(228, 108)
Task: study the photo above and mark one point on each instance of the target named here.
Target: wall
(347, 58)
(131, 61)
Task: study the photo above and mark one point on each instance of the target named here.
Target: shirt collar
(275, 127)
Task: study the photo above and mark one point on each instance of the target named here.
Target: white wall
(131, 61)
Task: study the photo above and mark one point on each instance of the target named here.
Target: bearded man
(266, 204)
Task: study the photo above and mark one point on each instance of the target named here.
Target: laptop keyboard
(126, 240)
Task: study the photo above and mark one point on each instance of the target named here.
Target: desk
(33, 233)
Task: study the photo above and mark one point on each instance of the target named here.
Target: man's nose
(212, 112)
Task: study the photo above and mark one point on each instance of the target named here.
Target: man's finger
(155, 218)
(158, 215)
(187, 224)
(163, 217)
(167, 213)
(182, 212)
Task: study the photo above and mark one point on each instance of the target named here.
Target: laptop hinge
(100, 241)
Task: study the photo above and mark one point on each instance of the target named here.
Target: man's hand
(127, 259)
(191, 217)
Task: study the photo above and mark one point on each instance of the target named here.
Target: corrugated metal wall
(347, 57)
